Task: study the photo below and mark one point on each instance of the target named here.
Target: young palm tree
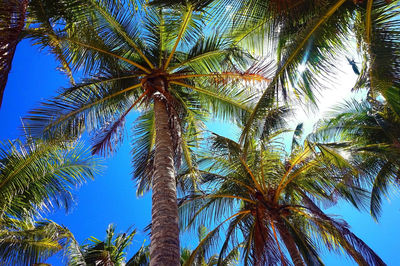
(157, 61)
(273, 202)
(109, 252)
(36, 177)
(370, 133)
(24, 242)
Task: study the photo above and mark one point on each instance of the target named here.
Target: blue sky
(111, 198)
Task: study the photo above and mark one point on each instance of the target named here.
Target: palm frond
(37, 176)
(24, 242)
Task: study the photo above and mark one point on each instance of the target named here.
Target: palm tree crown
(158, 61)
(273, 202)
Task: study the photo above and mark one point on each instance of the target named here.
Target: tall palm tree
(156, 60)
(273, 203)
(10, 30)
(369, 133)
(20, 19)
(35, 177)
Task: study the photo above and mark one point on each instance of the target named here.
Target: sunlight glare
(302, 68)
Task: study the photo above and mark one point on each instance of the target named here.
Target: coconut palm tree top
(133, 55)
(273, 204)
(129, 53)
(161, 62)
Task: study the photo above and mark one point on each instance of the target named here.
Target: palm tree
(33, 19)
(157, 61)
(25, 242)
(10, 30)
(369, 133)
(273, 202)
(35, 177)
(109, 252)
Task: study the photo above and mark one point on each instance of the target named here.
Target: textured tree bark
(290, 244)
(164, 246)
(12, 20)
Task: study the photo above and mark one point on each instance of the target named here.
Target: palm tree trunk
(164, 246)
(12, 20)
(290, 244)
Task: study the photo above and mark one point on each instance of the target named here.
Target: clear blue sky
(111, 198)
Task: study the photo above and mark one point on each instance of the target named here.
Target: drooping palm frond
(37, 176)
(44, 21)
(354, 246)
(47, 21)
(71, 113)
(311, 47)
(368, 132)
(379, 39)
(297, 135)
(143, 134)
(25, 242)
(309, 37)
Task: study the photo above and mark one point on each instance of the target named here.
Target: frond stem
(120, 30)
(212, 94)
(244, 76)
(199, 57)
(231, 197)
(92, 104)
(111, 54)
(185, 24)
(295, 162)
(277, 243)
(256, 183)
